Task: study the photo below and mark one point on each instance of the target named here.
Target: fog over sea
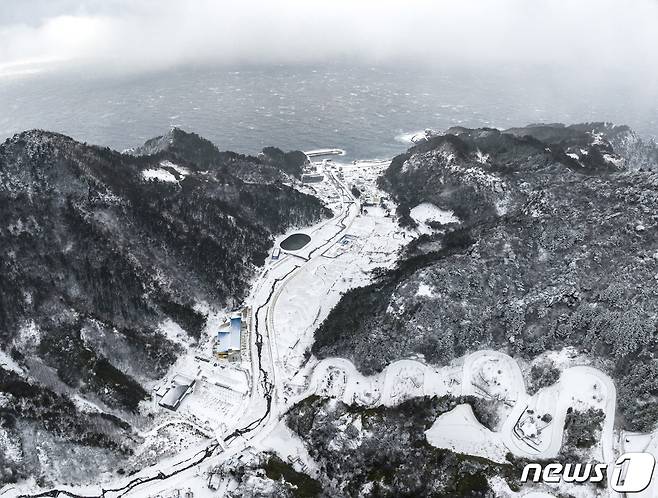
(370, 111)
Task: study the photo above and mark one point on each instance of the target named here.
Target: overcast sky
(587, 35)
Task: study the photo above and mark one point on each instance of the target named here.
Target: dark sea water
(365, 110)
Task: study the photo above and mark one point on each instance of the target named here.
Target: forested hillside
(557, 246)
(98, 249)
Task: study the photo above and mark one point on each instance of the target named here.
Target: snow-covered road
(288, 300)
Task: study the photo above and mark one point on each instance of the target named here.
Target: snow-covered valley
(234, 406)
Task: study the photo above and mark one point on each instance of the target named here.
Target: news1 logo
(631, 472)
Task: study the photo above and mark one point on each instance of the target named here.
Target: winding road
(265, 407)
(266, 404)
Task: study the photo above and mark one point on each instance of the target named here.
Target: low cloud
(587, 35)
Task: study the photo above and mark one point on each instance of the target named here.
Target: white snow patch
(502, 205)
(426, 212)
(28, 335)
(395, 307)
(290, 448)
(597, 138)
(179, 169)
(543, 494)
(86, 406)
(173, 332)
(481, 158)
(617, 161)
(425, 290)
(11, 450)
(446, 155)
(458, 430)
(563, 358)
(475, 175)
(501, 489)
(8, 363)
(215, 318)
(158, 175)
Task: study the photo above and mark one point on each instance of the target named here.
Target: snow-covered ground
(8, 363)
(427, 212)
(158, 174)
(580, 388)
(235, 409)
(182, 171)
(460, 431)
(311, 292)
(487, 374)
(490, 375)
(401, 380)
(285, 443)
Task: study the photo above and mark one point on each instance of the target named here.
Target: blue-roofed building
(236, 329)
(229, 336)
(224, 339)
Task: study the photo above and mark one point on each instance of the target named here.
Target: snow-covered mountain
(556, 245)
(98, 249)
